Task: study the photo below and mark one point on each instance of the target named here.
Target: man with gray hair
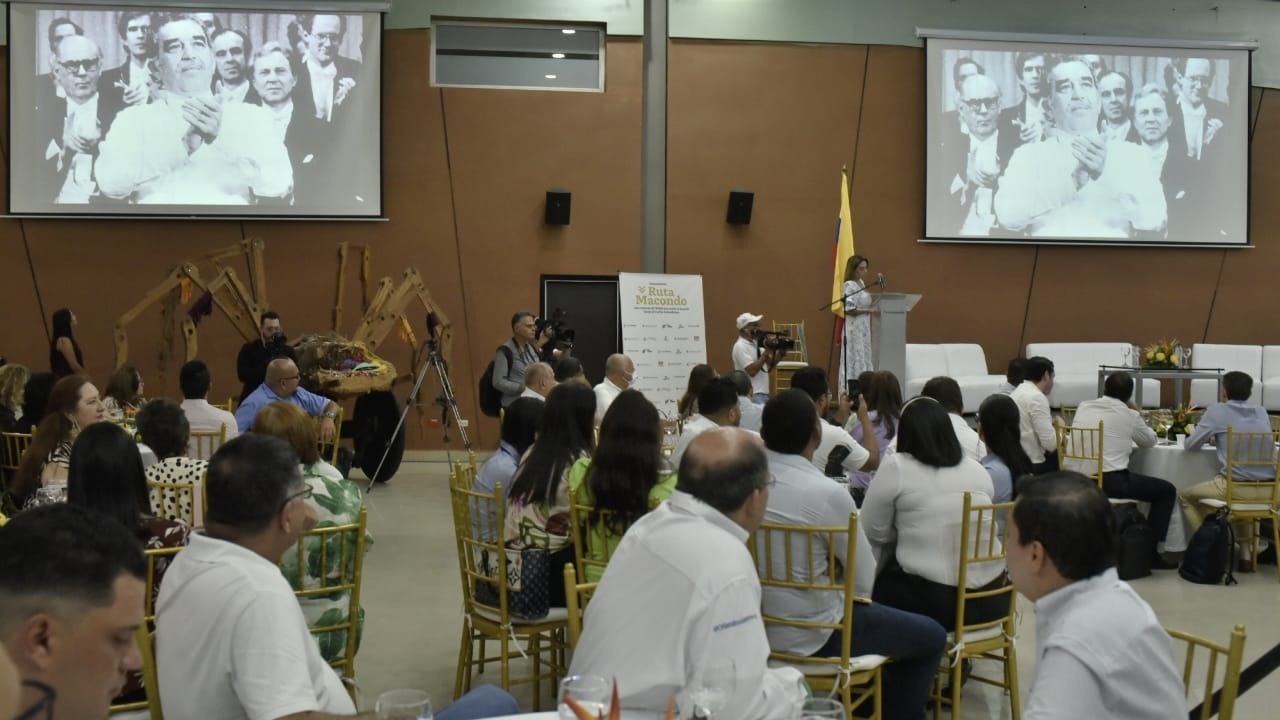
(681, 592)
(72, 122)
(973, 159)
(273, 73)
(539, 381)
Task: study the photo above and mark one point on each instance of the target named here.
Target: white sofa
(1076, 370)
(1244, 358)
(1270, 380)
(966, 363)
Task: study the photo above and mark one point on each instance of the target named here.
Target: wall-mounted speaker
(740, 202)
(557, 207)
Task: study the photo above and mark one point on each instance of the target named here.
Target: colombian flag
(843, 250)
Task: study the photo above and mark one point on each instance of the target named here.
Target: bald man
(282, 385)
(619, 374)
(539, 380)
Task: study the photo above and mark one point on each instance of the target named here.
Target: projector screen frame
(1219, 45)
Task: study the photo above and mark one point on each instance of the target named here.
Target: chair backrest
(964, 359)
(229, 405)
(1068, 414)
(1081, 358)
(925, 361)
(787, 556)
(337, 438)
(1080, 449)
(338, 553)
(1233, 657)
(204, 443)
(576, 596)
(157, 560)
(180, 495)
(796, 331)
(12, 448)
(482, 562)
(1252, 450)
(981, 542)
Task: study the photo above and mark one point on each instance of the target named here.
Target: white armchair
(1270, 379)
(966, 363)
(1244, 358)
(1076, 370)
(923, 362)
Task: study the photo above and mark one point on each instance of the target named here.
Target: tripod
(447, 401)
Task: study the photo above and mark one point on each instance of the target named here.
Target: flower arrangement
(1180, 422)
(1161, 354)
(615, 707)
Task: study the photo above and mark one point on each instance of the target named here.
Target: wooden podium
(891, 355)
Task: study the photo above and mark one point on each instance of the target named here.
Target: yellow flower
(1160, 357)
(1151, 354)
(1186, 429)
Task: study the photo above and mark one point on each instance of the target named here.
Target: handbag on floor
(528, 582)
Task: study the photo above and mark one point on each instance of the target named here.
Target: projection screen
(159, 111)
(1050, 142)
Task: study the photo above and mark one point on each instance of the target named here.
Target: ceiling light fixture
(549, 77)
(568, 31)
(558, 56)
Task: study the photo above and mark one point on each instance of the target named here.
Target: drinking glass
(820, 708)
(591, 692)
(404, 705)
(710, 690)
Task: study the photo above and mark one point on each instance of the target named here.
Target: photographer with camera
(251, 364)
(755, 353)
(555, 339)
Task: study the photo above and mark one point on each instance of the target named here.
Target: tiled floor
(414, 619)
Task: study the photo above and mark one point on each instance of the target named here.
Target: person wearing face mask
(1075, 183)
(73, 405)
(190, 147)
(619, 374)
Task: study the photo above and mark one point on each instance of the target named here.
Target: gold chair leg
(1011, 669)
(464, 660)
(878, 712)
(504, 659)
(484, 647)
(1275, 540)
(535, 656)
(956, 671)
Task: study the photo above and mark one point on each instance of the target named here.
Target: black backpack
(1209, 554)
(1135, 542)
(490, 396)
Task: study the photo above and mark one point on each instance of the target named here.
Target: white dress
(855, 357)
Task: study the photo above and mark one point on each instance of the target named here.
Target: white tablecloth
(1183, 468)
(626, 715)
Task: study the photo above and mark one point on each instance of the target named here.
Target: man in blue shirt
(281, 385)
(1241, 416)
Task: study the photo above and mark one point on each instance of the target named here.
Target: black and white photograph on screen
(225, 111)
(1040, 141)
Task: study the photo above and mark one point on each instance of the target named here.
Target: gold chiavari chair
(774, 548)
(157, 560)
(1233, 657)
(576, 595)
(1252, 501)
(1068, 414)
(1080, 449)
(981, 543)
(180, 495)
(229, 405)
(338, 552)
(204, 443)
(12, 448)
(331, 450)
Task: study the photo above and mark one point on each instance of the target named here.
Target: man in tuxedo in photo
(71, 124)
(129, 84)
(231, 50)
(327, 80)
(275, 82)
(1115, 89)
(59, 28)
(962, 69)
(1185, 186)
(1024, 122)
(972, 159)
(1198, 121)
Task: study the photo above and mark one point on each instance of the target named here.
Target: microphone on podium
(880, 280)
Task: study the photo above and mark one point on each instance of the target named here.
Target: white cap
(746, 319)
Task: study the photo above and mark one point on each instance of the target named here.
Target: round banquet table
(626, 715)
(1182, 468)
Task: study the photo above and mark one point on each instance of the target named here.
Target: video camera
(560, 333)
(278, 346)
(779, 340)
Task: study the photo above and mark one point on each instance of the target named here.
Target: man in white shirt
(231, 50)
(539, 381)
(231, 640)
(1100, 650)
(189, 147)
(1035, 420)
(749, 411)
(802, 495)
(718, 403)
(681, 593)
(619, 374)
(1122, 430)
(194, 378)
(947, 392)
(812, 381)
(756, 361)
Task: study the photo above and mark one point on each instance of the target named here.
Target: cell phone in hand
(853, 389)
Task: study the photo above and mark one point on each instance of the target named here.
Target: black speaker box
(557, 207)
(740, 207)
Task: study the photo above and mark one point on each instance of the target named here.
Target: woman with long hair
(13, 380)
(73, 406)
(1006, 461)
(106, 476)
(855, 356)
(124, 391)
(698, 378)
(625, 477)
(913, 509)
(538, 501)
(884, 408)
(164, 428)
(65, 357)
(336, 501)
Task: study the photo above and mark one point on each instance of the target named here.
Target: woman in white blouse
(911, 515)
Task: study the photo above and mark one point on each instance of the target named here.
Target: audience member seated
(68, 613)
(947, 392)
(912, 517)
(35, 400)
(718, 402)
(681, 591)
(699, 376)
(334, 500)
(538, 501)
(13, 379)
(11, 688)
(107, 477)
(1013, 375)
(73, 406)
(124, 392)
(619, 374)
(1035, 421)
(282, 385)
(1006, 461)
(749, 412)
(884, 407)
(569, 369)
(163, 427)
(1237, 413)
(201, 416)
(625, 477)
(802, 495)
(229, 631)
(539, 379)
(1100, 650)
(851, 455)
(1123, 428)
(520, 425)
